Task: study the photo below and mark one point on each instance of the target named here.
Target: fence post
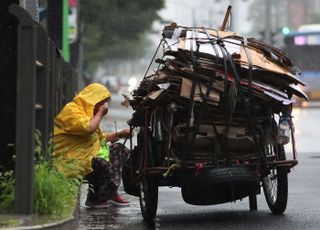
(25, 118)
(51, 105)
(42, 82)
(68, 87)
(59, 78)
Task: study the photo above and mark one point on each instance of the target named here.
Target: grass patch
(7, 188)
(54, 194)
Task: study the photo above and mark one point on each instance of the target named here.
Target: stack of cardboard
(212, 83)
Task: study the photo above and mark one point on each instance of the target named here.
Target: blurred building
(289, 13)
(302, 12)
(207, 13)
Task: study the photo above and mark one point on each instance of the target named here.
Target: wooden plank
(226, 17)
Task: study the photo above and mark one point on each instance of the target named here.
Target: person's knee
(119, 148)
(117, 145)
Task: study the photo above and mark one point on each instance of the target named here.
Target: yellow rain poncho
(73, 139)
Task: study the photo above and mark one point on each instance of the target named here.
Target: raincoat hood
(90, 96)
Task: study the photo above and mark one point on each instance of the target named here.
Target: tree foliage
(116, 28)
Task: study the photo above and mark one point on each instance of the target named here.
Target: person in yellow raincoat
(79, 139)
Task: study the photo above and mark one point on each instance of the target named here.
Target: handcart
(213, 120)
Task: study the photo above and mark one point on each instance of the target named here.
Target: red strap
(199, 166)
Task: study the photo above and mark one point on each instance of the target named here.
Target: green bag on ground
(104, 151)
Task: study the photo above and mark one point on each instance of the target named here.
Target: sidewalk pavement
(113, 217)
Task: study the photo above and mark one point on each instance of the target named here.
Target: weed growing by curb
(7, 188)
(53, 192)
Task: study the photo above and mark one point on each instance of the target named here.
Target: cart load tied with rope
(213, 120)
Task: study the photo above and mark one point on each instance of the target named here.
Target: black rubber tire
(129, 186)
(148, 198)
(278, 198)
(221, 185)
(148, 186)
(129, 173)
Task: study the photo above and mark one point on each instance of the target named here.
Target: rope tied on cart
(153, 57)
(252, 123)
(204, 96)
(170, 170)
(190, 139)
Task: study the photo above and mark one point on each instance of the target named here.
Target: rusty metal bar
(161, 170)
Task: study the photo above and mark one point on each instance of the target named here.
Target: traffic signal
(285, 30)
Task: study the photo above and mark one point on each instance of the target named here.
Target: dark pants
(105, 178)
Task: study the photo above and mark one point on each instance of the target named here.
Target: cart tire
(275, 186)
(148, 198)
(129, 186)
(220, 185)
(129, 173)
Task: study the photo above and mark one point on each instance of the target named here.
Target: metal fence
(45, 83)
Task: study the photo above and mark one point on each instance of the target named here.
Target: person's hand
(103, 109)
(99, 111)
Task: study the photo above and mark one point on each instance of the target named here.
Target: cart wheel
(148, 198)
(129, 173)
(128, 183)
(275, 185)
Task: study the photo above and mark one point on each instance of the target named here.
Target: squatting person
(79, 140)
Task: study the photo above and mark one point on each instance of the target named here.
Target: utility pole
(32, 6)
(267, 29)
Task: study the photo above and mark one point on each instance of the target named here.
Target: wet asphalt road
(303, 210)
